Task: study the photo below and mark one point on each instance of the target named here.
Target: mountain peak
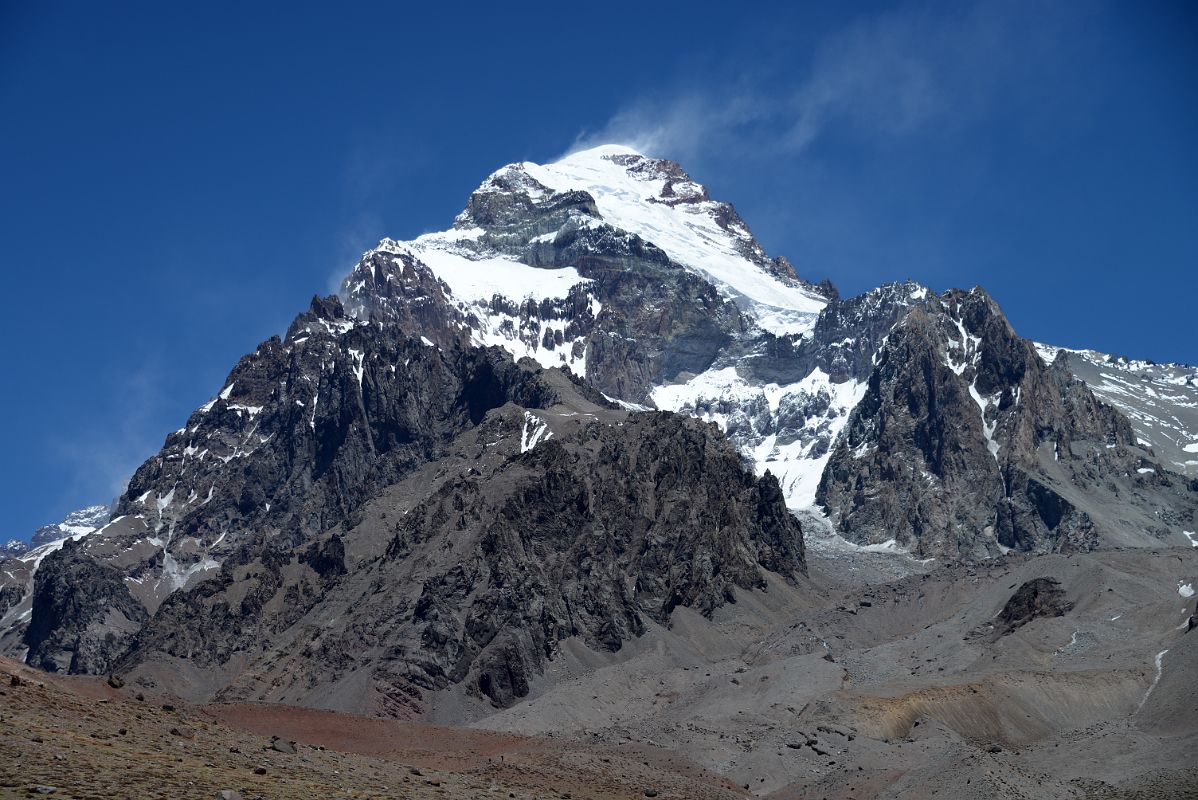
(525, 204)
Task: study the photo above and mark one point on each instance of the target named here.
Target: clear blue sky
(177, 182)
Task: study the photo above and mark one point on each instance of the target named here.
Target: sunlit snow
(687, 232)
(723, 397)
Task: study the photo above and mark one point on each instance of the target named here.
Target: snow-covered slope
(676, 214)
(1160, 400)
(786, 430)
(613, 188)
(77, 523)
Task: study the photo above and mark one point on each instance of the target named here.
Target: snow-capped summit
(514, 218)
(656, 200)
(80, 522)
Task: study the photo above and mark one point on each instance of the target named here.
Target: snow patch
(536, 430)
(476, 279)
(627, 406)
(1159, 667)
(759, 420)
(359, 359)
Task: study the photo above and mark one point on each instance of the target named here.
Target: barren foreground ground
(884, 678)
(84, 739)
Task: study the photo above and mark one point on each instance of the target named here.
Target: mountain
(1160, 400)
(77, 523)
(19, 561)
(624, 250)
(592, 438)
(966, 442)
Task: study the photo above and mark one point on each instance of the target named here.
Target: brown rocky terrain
(82, 738)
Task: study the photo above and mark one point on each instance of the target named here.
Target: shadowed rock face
(315, 425)
(588, 535)
(83, 615)
(594, 534)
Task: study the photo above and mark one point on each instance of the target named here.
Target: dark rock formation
(966, 441)
(594, 534)
(1040, 597)
(9, 596)
(83, 614)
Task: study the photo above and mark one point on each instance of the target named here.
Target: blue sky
(178, 181)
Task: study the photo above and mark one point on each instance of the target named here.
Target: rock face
(966, 443)
(591, 529)
(309, 428)
(305, 432)
(1160, 400)
(84, 614)
(21, 562)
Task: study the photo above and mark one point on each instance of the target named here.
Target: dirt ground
(84, 739)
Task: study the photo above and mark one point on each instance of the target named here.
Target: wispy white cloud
(102, 459)
(880, 79)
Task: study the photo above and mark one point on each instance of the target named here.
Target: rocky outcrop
(83, 615)
(595, 535)
(10, 596)
(842, 343)
(1040, 597)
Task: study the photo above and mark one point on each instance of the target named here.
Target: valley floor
(890, 677)
(880, 677)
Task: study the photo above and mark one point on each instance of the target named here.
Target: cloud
(876, 76)
(354, 236)
(880, 79)
(102, 459)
